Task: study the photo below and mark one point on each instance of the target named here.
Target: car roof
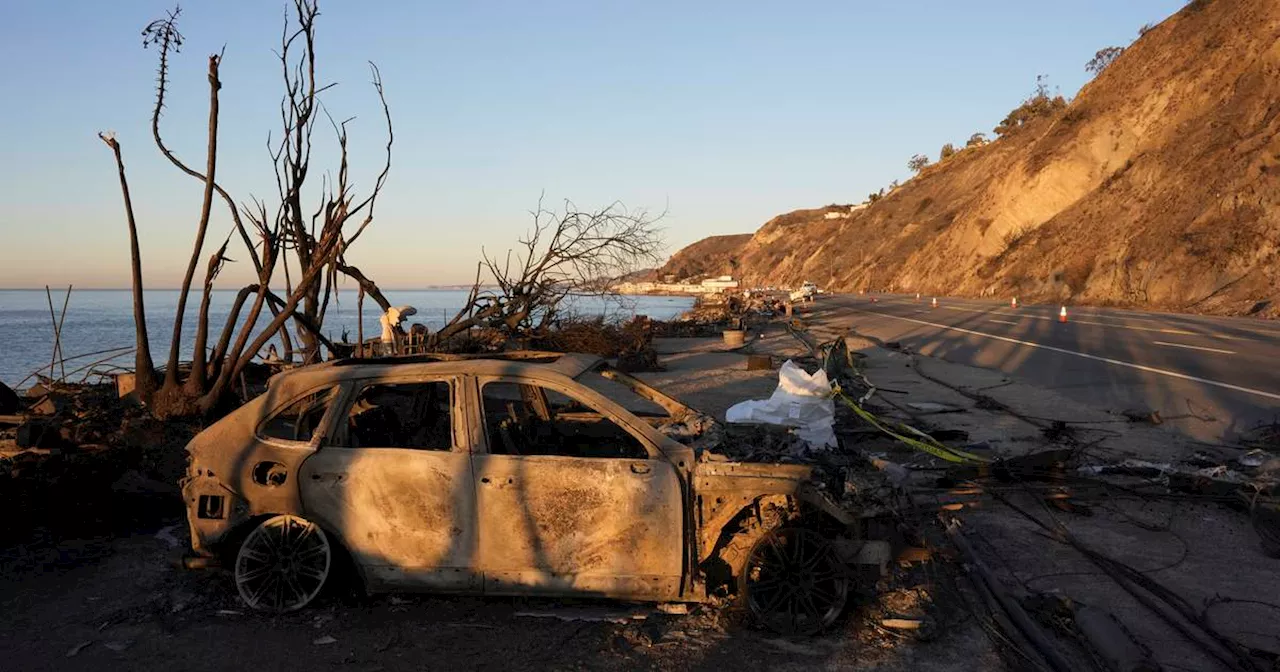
(517, 362)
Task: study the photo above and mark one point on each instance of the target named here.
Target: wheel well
(229, 545)
(749, 524)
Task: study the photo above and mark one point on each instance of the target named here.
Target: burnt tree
(568, 252)
(318, 243)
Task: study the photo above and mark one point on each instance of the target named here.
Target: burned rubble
(899, 473)
(905, 475)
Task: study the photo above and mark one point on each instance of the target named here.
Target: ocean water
(102, 319)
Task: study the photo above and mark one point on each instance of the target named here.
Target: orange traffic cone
(1014, 302)
(935, 302)
(1062, 314)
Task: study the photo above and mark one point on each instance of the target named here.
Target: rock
(325, 640)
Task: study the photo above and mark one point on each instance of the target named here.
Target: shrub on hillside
(918, 163)
(976, 140)
(1101, 60)
(1040, 104)
(948, 150)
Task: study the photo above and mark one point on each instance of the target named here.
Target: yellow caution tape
(920, 440)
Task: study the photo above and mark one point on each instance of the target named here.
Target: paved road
(1227, 368)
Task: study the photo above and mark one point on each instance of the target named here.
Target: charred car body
(522, 473)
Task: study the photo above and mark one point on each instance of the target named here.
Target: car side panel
(580, 526)
(406, 516)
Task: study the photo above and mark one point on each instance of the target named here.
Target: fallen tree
(571, 252)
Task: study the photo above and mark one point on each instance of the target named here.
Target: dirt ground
(119, 600)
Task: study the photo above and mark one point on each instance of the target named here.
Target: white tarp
(802, 401)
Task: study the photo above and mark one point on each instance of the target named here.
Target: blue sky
(724, 114)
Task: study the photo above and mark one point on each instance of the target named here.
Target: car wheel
(793, 582)
(283, 564)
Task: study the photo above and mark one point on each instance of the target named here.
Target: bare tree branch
(175, 345)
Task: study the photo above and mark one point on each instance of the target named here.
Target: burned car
(521, 473)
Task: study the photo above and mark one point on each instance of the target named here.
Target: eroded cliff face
(1157, 186)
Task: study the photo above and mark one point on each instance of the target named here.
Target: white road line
(1176, 332)
(1256, 329)
(1195, 347)
(1108, 360)
(1003, 322)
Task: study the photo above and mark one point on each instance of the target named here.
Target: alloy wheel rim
(282, 564)
(795, 583)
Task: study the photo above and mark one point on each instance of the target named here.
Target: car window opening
(402, 415)
(524, 419)
(299, 420)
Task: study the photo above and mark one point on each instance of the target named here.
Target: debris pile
(78, 457)
(713, 313)
(631, 343)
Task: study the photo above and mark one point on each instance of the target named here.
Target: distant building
(721, 283)
(708, 286)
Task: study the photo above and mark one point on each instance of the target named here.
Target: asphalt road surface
(1179, 365)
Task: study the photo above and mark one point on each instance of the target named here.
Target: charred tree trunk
(224, 341)
(198, 380)
(171, 371)
(144, 367)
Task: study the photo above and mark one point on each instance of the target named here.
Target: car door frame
(461, 574)
(641, 431)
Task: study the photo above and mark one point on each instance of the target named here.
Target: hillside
(716, 255)
(1157, 186)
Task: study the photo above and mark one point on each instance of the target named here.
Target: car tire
(789, 578)
(283, 564)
